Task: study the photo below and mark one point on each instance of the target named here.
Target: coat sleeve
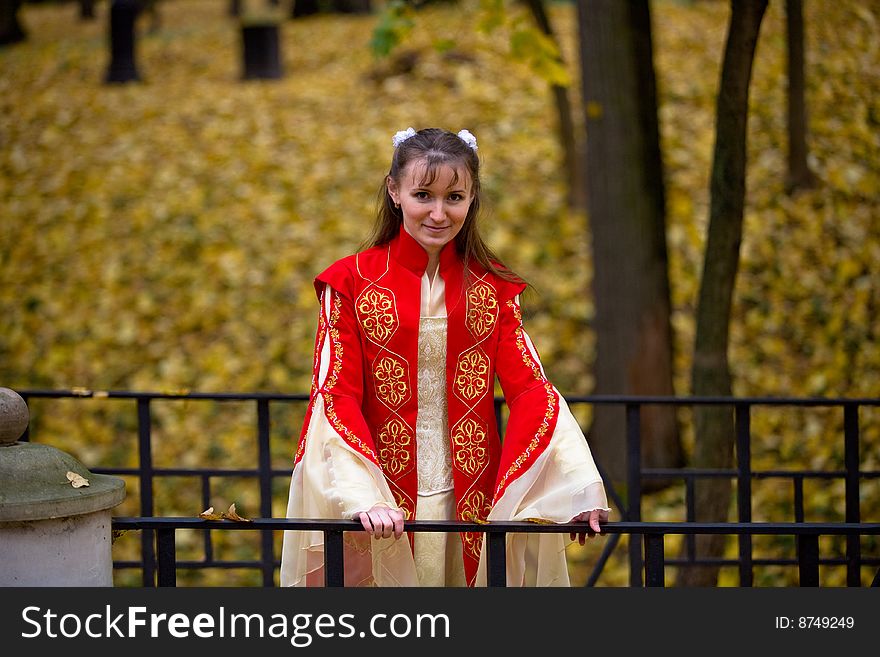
(546, 463)
(335, 473)
(547, 471)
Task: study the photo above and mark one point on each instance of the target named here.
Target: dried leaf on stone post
(77, 481)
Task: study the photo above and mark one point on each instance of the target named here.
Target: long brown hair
(437, 147)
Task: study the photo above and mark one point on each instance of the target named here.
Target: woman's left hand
(593, 517)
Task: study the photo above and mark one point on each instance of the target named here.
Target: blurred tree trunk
(86, 9)
(627, 220)
(11, 30)
(799, 174)
(713, 425)
(572, 157)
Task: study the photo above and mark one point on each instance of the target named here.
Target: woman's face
(433, 213)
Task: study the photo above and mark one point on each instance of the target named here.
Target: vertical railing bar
(334, 559)
(499, 420)
(808, 559)
(654, 560)
(206, 502)
(264, 455)
(167, 556)
(690, 497)
(634, 487)
(851, 462)
(798, 482)
(145, 469)
(497, 566)
(744, 489)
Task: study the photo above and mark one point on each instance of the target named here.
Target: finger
(385, 525)
(398, 525)
(375, 524)
(365, 522)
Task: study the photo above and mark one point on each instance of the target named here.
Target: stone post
(55, 523)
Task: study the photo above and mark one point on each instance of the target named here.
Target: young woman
(412, 333)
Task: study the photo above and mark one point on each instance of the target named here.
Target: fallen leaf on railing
(77, 481)
(540, 521)
(232, 515)
(479, 521)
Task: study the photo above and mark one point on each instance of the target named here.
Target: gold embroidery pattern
(404, 504)
(482, 309)
(377, 314)
(549, 413)
(329, 408)
(474, 508)
(469, 446)
(394, 439)
(472, 375)
(391, 376)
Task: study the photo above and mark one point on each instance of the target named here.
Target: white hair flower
(402, 135)
(468, 138)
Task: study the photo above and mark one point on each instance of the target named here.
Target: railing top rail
(790, 528)
(596, 399)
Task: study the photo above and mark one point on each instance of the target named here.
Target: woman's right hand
(382, 521)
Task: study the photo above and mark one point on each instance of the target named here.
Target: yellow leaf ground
(164, 235)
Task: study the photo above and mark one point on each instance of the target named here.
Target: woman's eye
(456, 197)
(421, 195)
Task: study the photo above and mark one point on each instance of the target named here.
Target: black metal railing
(630, 507)
(653, 533)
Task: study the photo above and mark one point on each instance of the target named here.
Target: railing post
(145, 457)
(744, 489)
(654, 560)
(634, 487)
(334, 559)
(851, 462)
(497, 566)
(167, 553)
(264, 457)
(808, 559)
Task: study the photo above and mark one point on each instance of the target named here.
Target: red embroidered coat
(370, 395)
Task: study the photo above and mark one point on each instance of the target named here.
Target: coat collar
(412, 255)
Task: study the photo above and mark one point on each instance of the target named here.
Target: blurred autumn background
(163, 234)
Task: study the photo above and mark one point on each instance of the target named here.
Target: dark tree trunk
(86, 9)
(261, 51)
(300, 8)
(627, 217)
(572, 159)
(123, 64)
(713, 425)
(799, 175)
(11, 30)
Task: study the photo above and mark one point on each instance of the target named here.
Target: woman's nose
(437, 209)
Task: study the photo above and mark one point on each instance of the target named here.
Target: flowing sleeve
(547, 469)
(335, 474)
